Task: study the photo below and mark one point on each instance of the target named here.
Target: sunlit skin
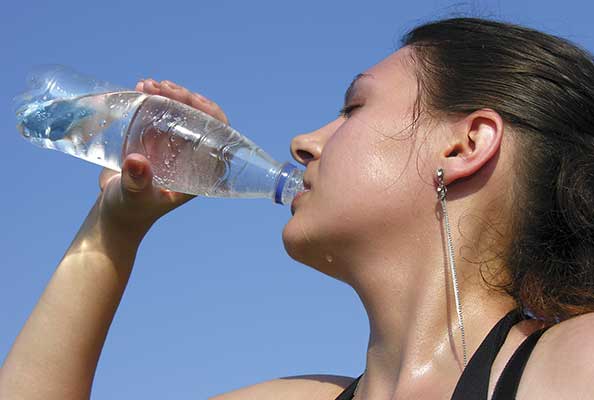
(373, 207)
(371, 219)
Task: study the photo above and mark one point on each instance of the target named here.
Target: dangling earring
(441, 195)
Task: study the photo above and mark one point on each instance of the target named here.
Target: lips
(306, 188)
(297, 196)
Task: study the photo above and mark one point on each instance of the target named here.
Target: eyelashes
(347, 110)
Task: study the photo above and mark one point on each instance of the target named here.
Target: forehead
(393, 79)
(392, 82)
(396, 67)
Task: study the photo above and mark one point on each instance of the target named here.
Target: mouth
(306, 188)
(297, 196)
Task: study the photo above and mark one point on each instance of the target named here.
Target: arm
(304, 387)
(56, 353)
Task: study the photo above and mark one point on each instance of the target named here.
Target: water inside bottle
(192, 152)
(91, 127)
(189, 151)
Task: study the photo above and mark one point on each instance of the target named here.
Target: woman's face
(363, 171)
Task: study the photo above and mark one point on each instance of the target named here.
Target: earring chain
(441, 195)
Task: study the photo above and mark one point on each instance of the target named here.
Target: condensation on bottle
(189, 151)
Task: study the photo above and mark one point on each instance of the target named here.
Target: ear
(475, 140)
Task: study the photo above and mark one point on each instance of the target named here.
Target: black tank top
(474, 382)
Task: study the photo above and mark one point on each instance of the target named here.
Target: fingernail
(135, 170)
(154, 83)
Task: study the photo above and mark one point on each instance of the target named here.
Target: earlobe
(476, 141)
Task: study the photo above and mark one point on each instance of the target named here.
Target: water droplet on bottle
(103, 123)
(48, 130)
(172, 138)
(111, 107)
(44, 98)
(329, 258)
(26, 133)
(125, 115)
(167, 162)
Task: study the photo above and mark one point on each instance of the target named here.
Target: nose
(308, 146)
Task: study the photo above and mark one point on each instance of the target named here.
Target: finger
(217, 112)
(140, 86)
(208, 106)
(151, 86)
(183, 95)
(136, 174)
(137, 182)
(175, 92)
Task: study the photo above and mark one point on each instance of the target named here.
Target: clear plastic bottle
(189, 151)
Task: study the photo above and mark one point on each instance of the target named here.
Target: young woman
(454, 193)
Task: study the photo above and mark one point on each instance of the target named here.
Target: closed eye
(347, 110)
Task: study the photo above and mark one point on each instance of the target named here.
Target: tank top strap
(474, 382)
(509, 380)
(348, 393)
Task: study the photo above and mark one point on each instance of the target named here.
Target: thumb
(137, 175)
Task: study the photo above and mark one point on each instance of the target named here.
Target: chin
(297, 244)
(306, 250)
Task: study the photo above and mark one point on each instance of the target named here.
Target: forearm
(56, 353)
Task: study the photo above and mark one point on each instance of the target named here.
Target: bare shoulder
(562, 363)
(304, 387)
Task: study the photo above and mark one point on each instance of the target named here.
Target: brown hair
(543, 88)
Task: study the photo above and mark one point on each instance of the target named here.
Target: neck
(415, 348)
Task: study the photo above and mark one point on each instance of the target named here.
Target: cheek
(359, 165)
(375, 185)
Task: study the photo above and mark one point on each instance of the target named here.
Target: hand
(128, 199)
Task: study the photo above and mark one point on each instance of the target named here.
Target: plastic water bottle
(189, 151)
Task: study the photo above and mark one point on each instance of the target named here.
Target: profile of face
(370, 175)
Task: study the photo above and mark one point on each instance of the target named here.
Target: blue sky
(214, 302)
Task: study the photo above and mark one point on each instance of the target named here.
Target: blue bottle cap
(282, 180)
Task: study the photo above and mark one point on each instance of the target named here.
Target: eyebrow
(351, 90)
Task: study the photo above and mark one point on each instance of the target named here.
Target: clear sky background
(214, 302)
